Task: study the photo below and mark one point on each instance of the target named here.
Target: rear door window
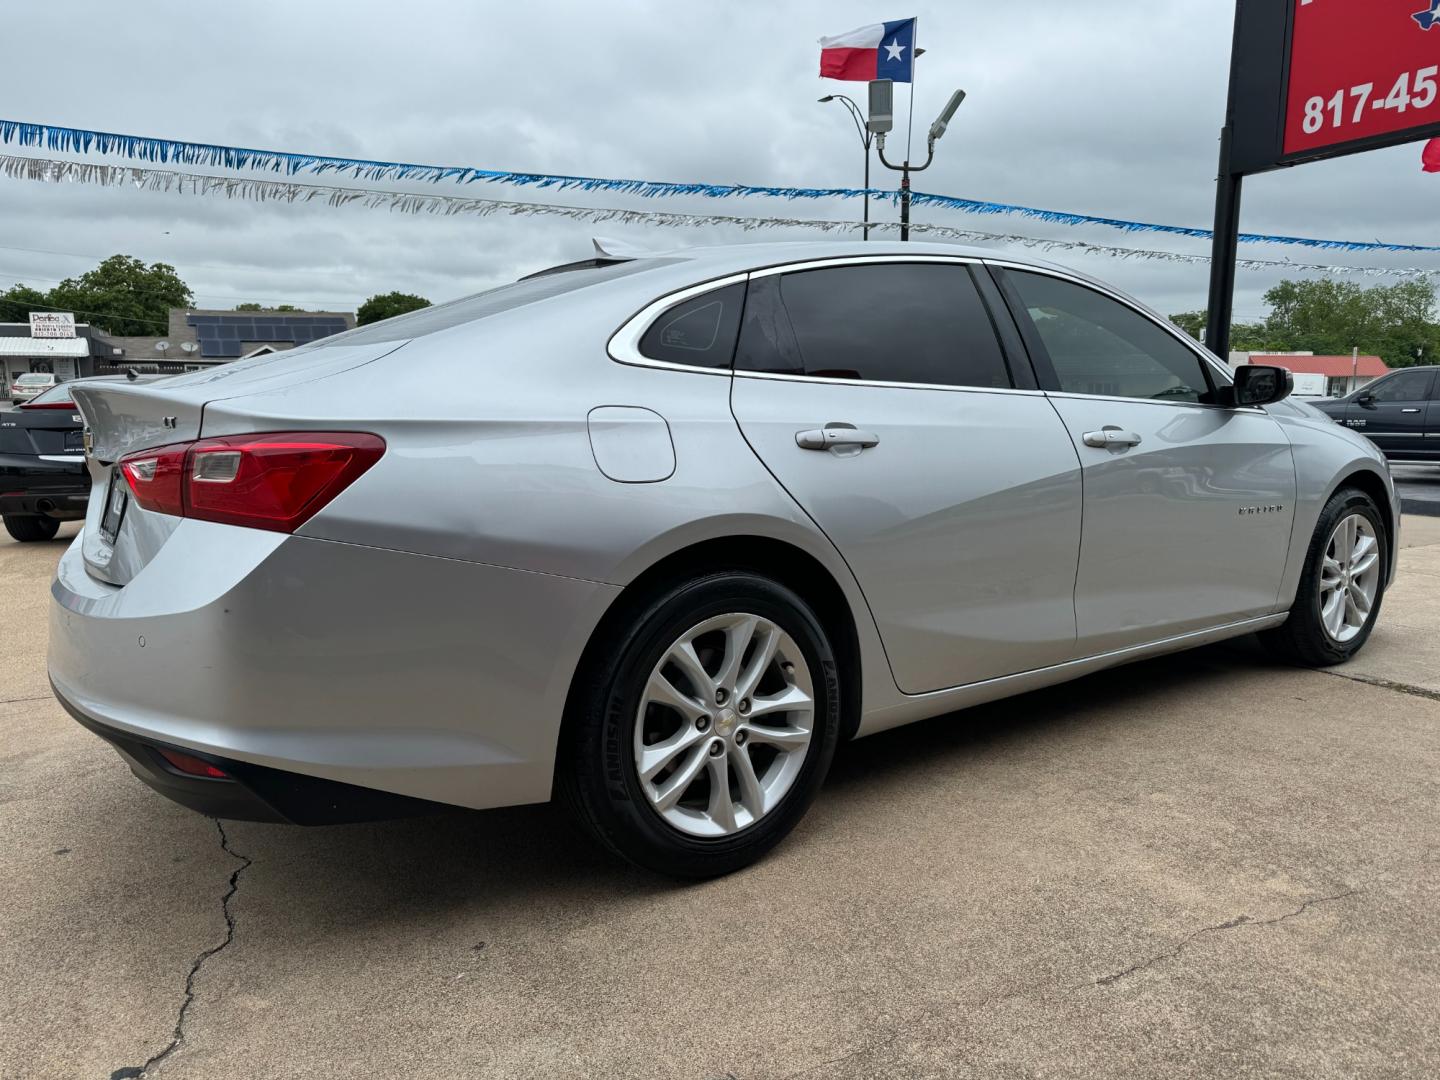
(876, 322)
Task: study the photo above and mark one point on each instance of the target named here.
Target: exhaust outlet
(45, 506)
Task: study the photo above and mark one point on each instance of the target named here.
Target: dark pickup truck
(1399, 413)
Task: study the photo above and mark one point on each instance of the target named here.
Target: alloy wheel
(1349, 577)
(724, 724)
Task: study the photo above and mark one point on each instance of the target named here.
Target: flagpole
(910, 123)
(909, 134)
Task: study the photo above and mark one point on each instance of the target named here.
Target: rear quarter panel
(489, 457)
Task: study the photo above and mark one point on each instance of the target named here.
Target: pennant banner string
(164, 151)
(165, 180)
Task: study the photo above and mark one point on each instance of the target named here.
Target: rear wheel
(1341, 586)
(26, 528)
(703, 733)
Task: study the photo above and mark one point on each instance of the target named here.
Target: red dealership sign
(1312, 79)
(1359, 69)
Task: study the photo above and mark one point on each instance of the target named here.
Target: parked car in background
(721, 510)
(43, 480)
(1399, 413)
(28, 386)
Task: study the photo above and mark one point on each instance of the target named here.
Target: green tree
(1395, 322)
(18, 301)
(1245, 337)
(388, 305)
(124, 296)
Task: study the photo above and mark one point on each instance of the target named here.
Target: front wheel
(704, 732)
(28, 529)
(1341, 586)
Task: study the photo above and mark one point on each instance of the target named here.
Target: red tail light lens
(271, 481)
(47, 405)
(155, 478)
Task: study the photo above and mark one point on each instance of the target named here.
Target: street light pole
(937, 129)
(865, 138)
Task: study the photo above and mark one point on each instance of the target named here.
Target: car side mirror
(1366, 399)
(1261, 384)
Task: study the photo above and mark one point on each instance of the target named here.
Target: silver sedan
(656, 534)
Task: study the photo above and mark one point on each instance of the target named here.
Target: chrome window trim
(831, 381)
(1073, 395)
(861, 260)
(1205, 355)
(624, 345)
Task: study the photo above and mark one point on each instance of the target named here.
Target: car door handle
(836, 436)
(1111, 436)
(1409, 410)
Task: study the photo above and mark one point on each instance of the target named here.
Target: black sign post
(1316, 79)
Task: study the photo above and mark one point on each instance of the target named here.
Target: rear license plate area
(117, 498)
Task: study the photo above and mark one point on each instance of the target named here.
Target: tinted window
(1406, 386)
(1099, 346)
(699, 331)
(887, 322)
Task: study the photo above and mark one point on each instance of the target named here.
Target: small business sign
(52, 324)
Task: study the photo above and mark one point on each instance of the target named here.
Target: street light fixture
(866, 136)
(937, 129)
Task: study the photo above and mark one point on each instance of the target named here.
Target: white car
(31, 385)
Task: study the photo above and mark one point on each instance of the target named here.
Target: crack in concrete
(1239, 920)
(16, 700)
(1386, 684)
(129, 1072)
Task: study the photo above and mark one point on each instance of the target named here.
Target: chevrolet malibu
(656, 534)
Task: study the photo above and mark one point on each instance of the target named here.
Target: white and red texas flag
(882, 51)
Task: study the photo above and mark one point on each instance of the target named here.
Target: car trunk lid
(122, 418)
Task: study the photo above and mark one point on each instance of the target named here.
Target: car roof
(734, 258)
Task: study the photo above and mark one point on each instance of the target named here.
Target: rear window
(492, 302)
(35, 380)
(54, 394)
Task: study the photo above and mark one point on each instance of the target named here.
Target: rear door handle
(1111, 436)
(836, 436)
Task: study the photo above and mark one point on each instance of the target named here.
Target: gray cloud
(1108, 107)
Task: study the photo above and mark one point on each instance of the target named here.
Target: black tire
(597, 774)
(1302, 639)
(28, 529)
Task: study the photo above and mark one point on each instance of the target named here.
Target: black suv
(43, 478)
(1399, 413)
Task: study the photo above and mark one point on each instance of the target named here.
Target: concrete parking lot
(1199, 866)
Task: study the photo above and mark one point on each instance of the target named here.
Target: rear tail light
(272, 481)
(191, 765)
(48, 405)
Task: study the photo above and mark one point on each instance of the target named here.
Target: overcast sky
(1107, 107)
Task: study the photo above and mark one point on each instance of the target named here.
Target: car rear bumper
(435, 679)
(34, 485)
(250, 792)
